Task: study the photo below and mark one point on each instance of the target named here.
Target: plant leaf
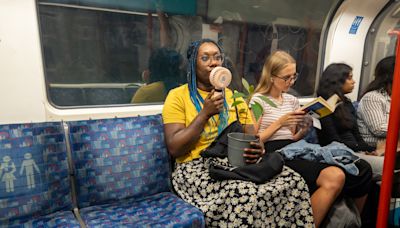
(257, 110)
(246, 85)
(236, 103)
(237, 94)
(266, 99)
(242, 110)
(251, 89)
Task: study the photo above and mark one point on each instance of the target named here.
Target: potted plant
(249, 92)
(237, 141)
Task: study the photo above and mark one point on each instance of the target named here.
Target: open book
(319, 107)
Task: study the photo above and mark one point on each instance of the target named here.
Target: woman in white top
(284, 124)
(373, 112)
(374, 107)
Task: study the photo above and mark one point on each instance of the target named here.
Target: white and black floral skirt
(283, 201)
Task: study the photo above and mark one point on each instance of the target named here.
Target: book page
(317, 108)
(316, 123)
(333, 102)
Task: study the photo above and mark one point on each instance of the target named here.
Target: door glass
(379, 44)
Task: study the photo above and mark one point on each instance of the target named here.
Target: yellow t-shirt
(178, 108)
(153, 92)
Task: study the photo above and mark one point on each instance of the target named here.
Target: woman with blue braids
(193, 117)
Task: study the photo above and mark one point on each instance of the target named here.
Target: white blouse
(373, 116)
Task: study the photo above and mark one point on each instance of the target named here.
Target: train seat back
(35, 187)
(122, 174)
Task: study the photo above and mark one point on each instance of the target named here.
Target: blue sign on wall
(356, 23)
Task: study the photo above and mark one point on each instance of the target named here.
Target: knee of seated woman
(332, 178)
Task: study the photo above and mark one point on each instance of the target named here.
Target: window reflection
(100, 55)
(163, 74)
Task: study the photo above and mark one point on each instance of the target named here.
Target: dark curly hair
(331, 82)
(383, 76)
(164, 66)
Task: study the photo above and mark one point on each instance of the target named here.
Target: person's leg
(376, 163)
(358, 186)
(360, 202)
(324, 181)
(329, 185)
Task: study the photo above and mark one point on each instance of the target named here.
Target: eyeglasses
(288, 78)
(208, 58)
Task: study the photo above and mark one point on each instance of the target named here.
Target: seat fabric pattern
(160, 210)
(34, 177)
(122, 175)
(119, 158)
(58, 219)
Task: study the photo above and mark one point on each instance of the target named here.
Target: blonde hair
(275, 62)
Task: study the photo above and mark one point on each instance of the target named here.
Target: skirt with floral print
(283, 201)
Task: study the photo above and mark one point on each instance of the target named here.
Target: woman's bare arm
(181, 139)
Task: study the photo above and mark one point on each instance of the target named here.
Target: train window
(103, 52)
(379, 44)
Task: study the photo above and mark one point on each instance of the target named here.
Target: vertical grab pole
(391, 142)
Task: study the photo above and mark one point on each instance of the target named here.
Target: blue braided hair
(195, 97)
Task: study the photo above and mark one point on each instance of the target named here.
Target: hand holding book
(319, 107)
(297, 122)
(292, 118)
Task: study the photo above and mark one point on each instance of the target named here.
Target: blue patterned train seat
(35, 188)
(122, 175)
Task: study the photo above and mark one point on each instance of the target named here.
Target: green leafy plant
(256, 107)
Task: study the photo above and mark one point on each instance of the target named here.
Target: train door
(379, 44)
(347, 40)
